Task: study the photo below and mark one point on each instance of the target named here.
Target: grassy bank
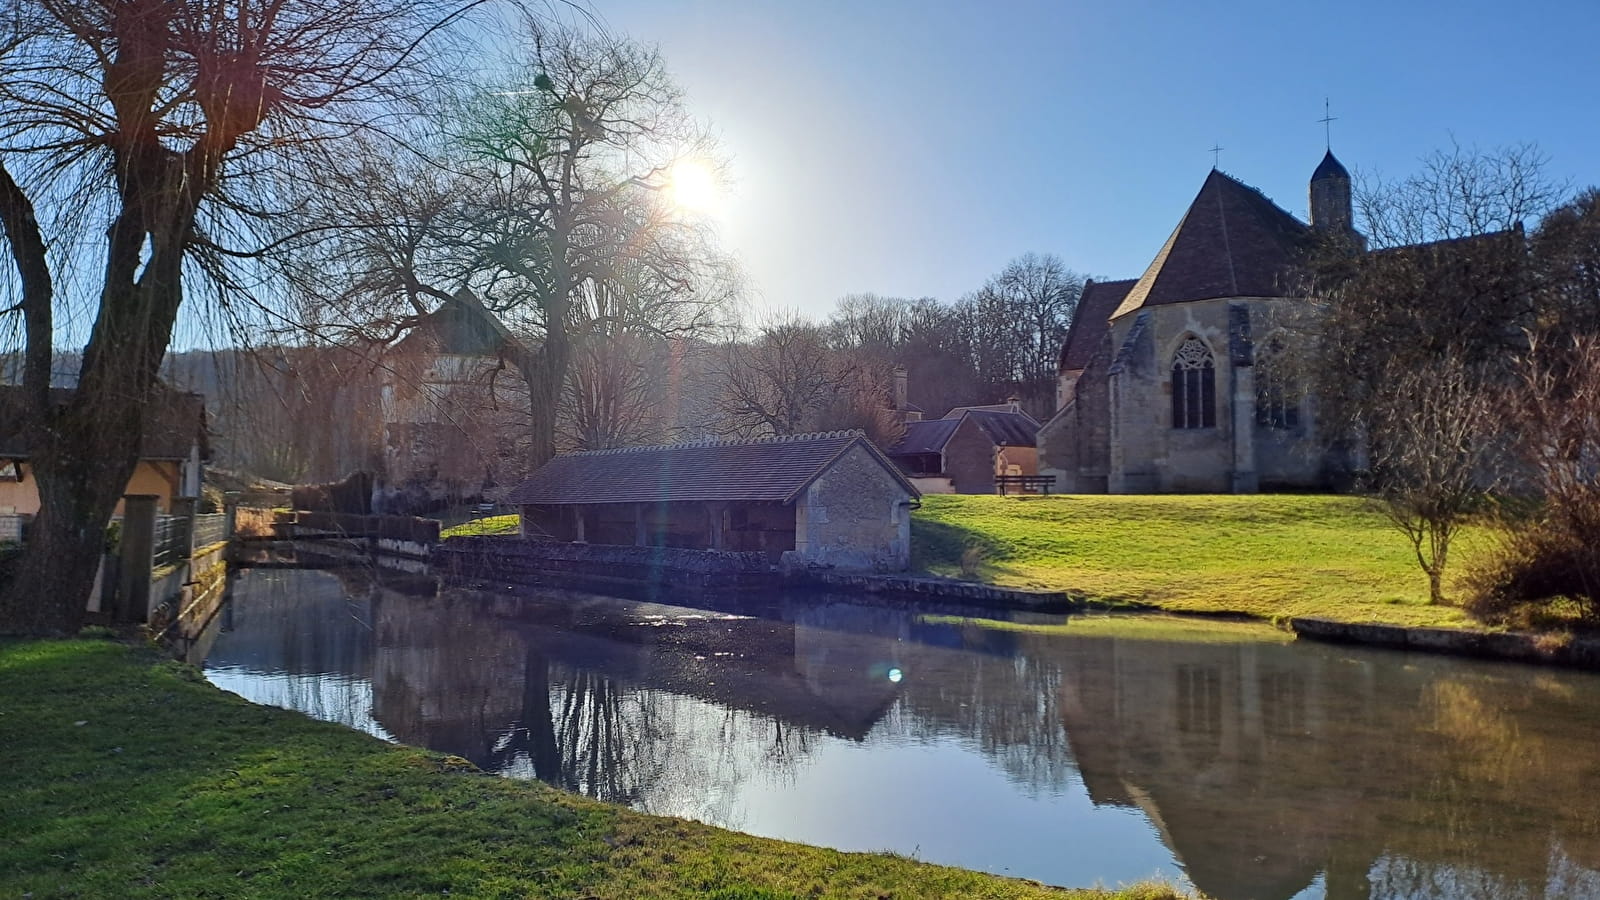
(486, 525)
(1270, 555)
(132, 777)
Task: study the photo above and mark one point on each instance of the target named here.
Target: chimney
(899, 387)
(1014, 402)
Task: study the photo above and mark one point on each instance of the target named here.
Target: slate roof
(1000, 424)
(767, 470)
(1330, 167)
(1014, 429)
(927, 436)
(1100, 299)
(461, 326)
(174, 423)
(1232, 242)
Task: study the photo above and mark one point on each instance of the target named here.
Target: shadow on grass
(940, 547)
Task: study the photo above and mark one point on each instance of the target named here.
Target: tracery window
(1194, 386)
(1277, 394)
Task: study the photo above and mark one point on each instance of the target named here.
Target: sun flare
(693, 187)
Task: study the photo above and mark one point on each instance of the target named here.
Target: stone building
(1186, 379)
(455, 415)
(828, 499)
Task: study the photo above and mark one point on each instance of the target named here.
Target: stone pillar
(1244, 424)
(639, 535)
(137, 554)
(186, 507)
(579, 532)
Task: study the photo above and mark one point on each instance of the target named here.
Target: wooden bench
(1024, 484)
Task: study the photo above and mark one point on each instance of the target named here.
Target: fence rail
(210, 528)
(171, 541)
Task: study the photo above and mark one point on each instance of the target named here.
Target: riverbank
(1267, 556)
(133, 777)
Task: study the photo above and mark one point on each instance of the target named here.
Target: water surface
(1072, 751)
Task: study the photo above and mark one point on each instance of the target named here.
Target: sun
(693, 187)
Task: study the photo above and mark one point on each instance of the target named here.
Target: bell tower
(1330, 197)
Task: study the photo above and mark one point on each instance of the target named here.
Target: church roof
(774, 469)
(1232, 242)
(1100, 299)
(1330, 167)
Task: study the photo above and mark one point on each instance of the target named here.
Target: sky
(913, 148)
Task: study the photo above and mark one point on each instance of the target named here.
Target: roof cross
(1216, 155)
(1327, 129)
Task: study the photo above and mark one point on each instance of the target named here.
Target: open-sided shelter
(830, 499)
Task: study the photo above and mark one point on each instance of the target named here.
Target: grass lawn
(132, 777)
(1266, 555)
(486, 525)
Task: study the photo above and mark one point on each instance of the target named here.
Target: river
(1071, 750)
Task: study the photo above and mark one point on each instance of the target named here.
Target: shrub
(1541, 575)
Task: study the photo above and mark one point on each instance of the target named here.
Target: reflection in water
(1257, 770)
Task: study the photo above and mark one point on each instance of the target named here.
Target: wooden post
(716, 514)
(638, 526)
(138, 546)
(579, 531)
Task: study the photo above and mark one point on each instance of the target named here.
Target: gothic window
(1277, 395)
(1194, 386)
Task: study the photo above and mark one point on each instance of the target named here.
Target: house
(172, 451)
(830, 499)
(963, 452)
(1185, 379)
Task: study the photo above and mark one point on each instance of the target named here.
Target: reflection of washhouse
(609, 697)
(1269, 769)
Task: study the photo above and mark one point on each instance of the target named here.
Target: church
(1187, 379)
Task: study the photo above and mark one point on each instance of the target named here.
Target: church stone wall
(1149, 455)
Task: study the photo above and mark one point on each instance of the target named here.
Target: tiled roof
(174, 423)
(1100, 299)
(927, 436)
(1232, 242)
(771, 469)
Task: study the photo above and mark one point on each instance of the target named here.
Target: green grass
(487, 525)
(132, 777)
(1270, 556)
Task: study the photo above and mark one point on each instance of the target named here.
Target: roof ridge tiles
(725, 442)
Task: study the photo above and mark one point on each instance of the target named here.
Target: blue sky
(913, 148)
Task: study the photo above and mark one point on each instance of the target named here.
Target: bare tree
(1434, 447)
(780, 381)
(161, 129)
(1014, 326)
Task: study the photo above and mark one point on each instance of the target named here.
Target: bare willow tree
(152, 135)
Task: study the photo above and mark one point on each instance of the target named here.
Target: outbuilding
(830, 499)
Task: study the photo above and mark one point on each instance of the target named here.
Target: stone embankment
(600, 567)
(1547, 649)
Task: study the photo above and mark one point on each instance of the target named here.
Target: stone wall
(855, 516)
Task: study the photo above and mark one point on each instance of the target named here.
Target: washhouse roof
(766, 470)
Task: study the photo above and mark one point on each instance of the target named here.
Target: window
(1194, 386)
(1277, 395)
